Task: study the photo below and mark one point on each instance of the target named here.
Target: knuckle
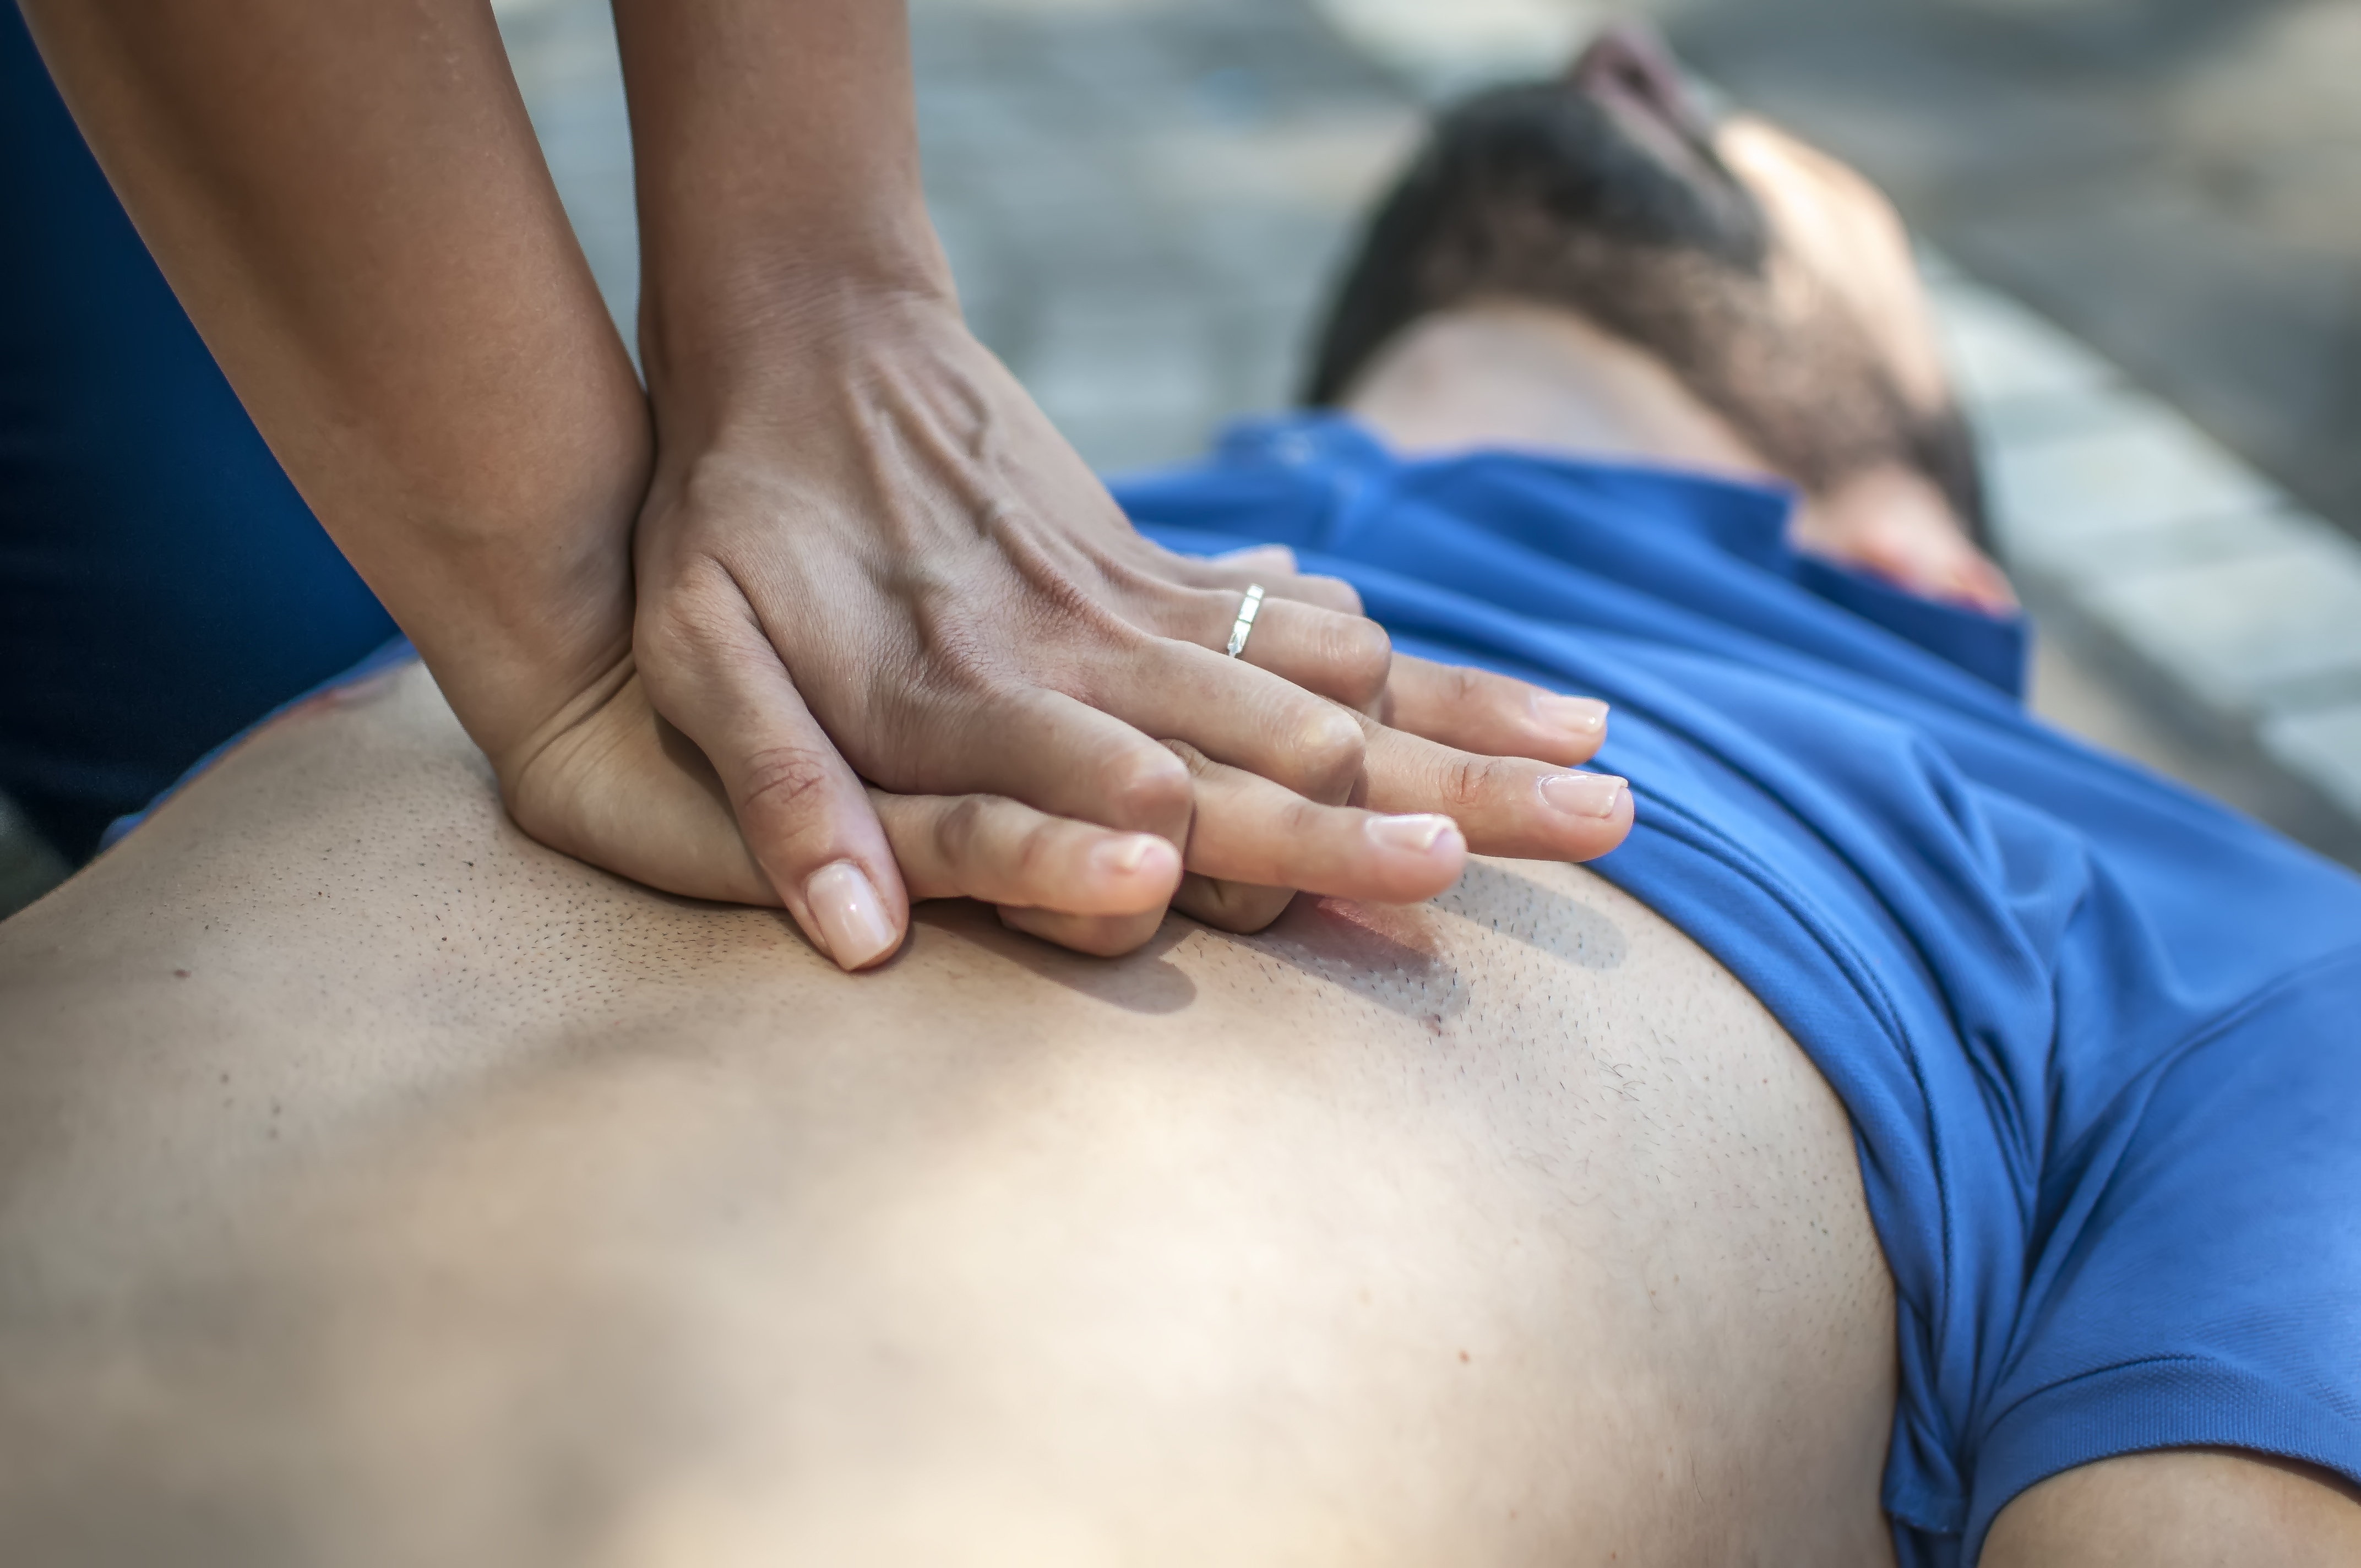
(1466, 782)
(1032, 860)
(1110, 942)
(1363, 657)
(1334, 593)
(1103, 937)
(958, 828)
(1306, 822)
(691, 624)
(1146, 786)
(1196, 762)
(1240, 907)
(1276, 558)
(956, 655)
(676, 625)
(782, 780)
(1331, 745)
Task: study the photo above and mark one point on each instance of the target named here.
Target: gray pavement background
(1141, 198)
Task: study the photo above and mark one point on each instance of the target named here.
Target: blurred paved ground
(1141, 198)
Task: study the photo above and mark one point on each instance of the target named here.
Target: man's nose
(1630, 61)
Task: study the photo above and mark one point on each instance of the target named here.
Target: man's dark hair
(1535, 192)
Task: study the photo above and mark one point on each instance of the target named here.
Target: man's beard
(1536, 192)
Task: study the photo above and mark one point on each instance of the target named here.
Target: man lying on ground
(1925, 1139)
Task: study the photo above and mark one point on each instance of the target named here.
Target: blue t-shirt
(2099, 1039)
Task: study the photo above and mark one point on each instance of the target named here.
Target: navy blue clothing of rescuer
(161, 583)
(2100, 1040)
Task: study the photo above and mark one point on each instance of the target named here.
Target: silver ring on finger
(1248, 610)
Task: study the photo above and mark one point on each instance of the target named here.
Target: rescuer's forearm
(777, 159)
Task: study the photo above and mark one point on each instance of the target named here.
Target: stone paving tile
(2121, 467)
(2250, 633)
(2079, 565)
(2325, 748)
(2002, 353)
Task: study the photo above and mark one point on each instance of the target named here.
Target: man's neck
(1505, 373)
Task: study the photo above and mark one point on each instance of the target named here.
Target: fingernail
(1575, 715)
(1584, 795)
(1127, 855)
(1418, 835)
(850, 914)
